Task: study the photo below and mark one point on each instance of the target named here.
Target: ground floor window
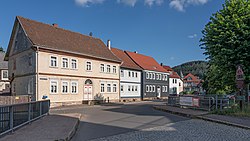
(53, 86)
(65, 87)
(108, 87)
(102, 87)
(114, 88)
(74, 87)
(121, 88)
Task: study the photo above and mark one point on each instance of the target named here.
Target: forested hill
(197, 68)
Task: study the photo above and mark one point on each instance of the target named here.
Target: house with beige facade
(46, 61)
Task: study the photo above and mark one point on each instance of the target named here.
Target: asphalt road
(103, 121)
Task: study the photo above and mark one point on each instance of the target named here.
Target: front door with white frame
(158, 91)
(87, 93)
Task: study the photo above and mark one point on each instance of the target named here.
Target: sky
(167, 30)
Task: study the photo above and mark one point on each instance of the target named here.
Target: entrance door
(158, 91)
(87, 93)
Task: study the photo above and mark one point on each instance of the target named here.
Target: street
(141, 122)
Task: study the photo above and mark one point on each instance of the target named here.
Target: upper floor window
(166, 77)
(122, 73)
(65, 62)
(88, 66)
(102, 67)
(4, 74)
(175, 81)
(189, 78)
(150, 75)
(129, 74)
(159, 76)
(153, 76)
(136, 74)
(73, 63)
(121, 88)
(74, 87)
(147, 75)
(108, 68)
(53, 61)
(53, 86)
(133, 74)
(114, 69)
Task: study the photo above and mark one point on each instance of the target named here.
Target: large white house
(130, 77)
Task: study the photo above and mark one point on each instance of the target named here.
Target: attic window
(154, 67)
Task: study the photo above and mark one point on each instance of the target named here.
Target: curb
(73, 130)
(203, 118)
(223, 122)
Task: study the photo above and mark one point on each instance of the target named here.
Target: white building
(130, 77)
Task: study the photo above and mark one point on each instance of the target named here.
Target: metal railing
(17, 115)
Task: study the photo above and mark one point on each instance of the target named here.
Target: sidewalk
(47, 128)
(242, 122)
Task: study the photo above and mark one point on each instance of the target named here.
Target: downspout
(37, 49)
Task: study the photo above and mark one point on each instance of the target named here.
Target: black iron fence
(14, 116)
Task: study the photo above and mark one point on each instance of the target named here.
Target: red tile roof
(173, 74)
(146, 62)
(54, 38)
(127, 62)
(167, 68)
(194, 78)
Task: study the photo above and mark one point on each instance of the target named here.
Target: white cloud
(128, 2)
(192, 36)
(180, 5)
(87, 2)
(152, 2)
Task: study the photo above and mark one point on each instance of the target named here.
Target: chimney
(55, 25)
(90, 34)
(161, 64)
(135, 52)
(109, 44)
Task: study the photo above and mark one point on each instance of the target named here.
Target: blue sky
(168, 30)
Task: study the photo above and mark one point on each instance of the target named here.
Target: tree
(1, 49)
(226, 41)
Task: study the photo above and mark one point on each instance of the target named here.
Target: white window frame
(163, 88)
(67, 62)
(64, 85)
(122, 73)
(159, 76)
(71, 86)
(102, 88)
(122, 88)
(114, 69)
(3, 75)
(136, 88)
(153, 88)
(109, 88)
(71, 63)
(108, 69)
(52, 81)
(88, 66)
(147, 75)
(114, 88)
(133, 74)
(102, 67)
(153, 76)
(129, 73)
(147, 88)
(56, 61)
(150, 75)
(132, 88)
(129, 88)
(136, 74)
(150, 88)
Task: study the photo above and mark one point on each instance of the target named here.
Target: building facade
(175, 81)
(4, 81)
(130, 77)
(46, 61)
(192, 84)
(155, 79)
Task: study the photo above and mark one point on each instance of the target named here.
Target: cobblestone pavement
(189, 130)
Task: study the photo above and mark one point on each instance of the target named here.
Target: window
(129, 88)
(166, 77)
(136, 88)
(179, 84)
(129, 74)
(163, 88)
(114, 88)
(121, 88)
(65, 62)
(14, 64)
(136, 74)
(53, 86)
(102, 67)
(108, 87)
(150, 88)
(153, 89)
(73, 63)
(133, 88)
(4, 74)
(147, 88)
(159, 76)
(175, 81)
(102, 87)
(147, 75)
(53, 61)
(88, 66)
(30, 86)
(108, 68)
(122, 73)
(114, 69)
(153, 75)
(150, 75)
(133, 74)
(74, 87)
(65, 87)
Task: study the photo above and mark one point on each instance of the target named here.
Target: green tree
(1, 49)
(226, 41)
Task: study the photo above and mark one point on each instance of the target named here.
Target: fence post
(29, 112)
(216, 102)
(11, 118)
(209, 104)
(40, 107)
(221, 104)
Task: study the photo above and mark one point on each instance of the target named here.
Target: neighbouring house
(175, 81)
(155, 79)
(46, 61)
(4, 82)
(130, 77)
(192, 84)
